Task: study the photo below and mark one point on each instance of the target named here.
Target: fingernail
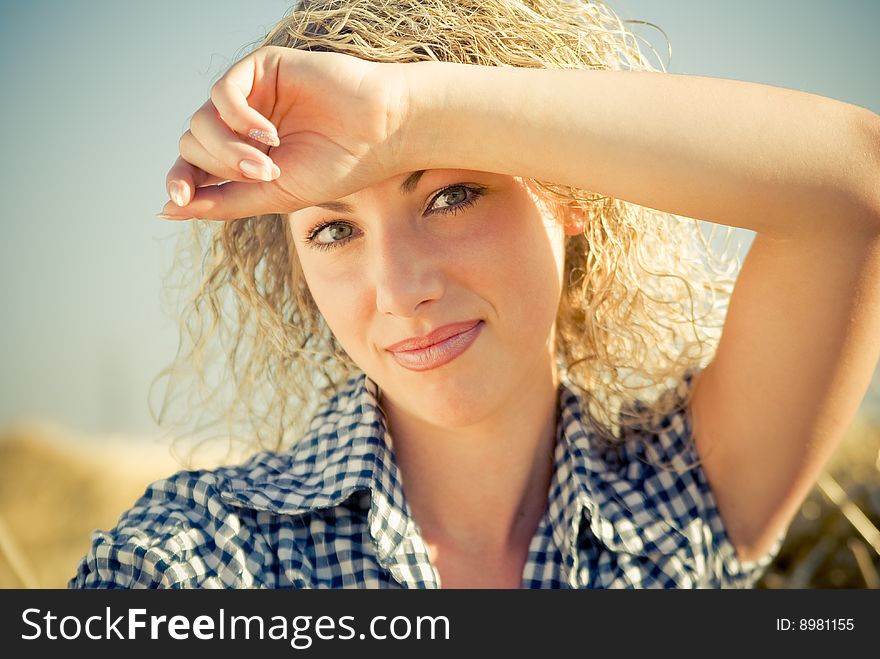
(264, 136)
(175, 191)
(253, 169)
(166, 216)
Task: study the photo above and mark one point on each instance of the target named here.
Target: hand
(329, 121)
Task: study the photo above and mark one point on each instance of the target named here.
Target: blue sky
(96, 94)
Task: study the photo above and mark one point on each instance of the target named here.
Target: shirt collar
(346, 453)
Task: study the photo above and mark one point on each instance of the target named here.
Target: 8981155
(815, 624)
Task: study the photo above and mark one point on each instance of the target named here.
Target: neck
(481, 489)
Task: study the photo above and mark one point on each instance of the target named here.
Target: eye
(335, 232)
(456, 194)
(458, 197)
(329, 235)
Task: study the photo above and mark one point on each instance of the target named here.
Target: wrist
(461, 116)
(391, 85)
(422, 139)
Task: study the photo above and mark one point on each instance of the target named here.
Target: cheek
(531, 258)
(516, 267)
(337, 297)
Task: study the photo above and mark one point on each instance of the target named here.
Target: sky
(96, 94)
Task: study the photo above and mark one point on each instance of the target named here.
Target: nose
(407, 275)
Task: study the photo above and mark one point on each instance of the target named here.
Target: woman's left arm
(802, 335)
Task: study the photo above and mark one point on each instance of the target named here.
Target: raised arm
(773, 160)
(802, 335)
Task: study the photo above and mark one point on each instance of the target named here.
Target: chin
(449, 402)
(455, 416)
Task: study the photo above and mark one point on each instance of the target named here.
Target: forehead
(403, 185)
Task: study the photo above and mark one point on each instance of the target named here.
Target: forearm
(764, 158)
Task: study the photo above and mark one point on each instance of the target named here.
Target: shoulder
(221, 528)
(181, 533)
(654, 508)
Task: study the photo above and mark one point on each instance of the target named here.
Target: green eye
(338, 231)
(458, 197)
(330, 235)
(452, 192)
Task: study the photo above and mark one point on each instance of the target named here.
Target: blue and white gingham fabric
(331, 513)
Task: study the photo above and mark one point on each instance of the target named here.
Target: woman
(442, 210)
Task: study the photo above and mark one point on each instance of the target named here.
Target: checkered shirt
(331, 513)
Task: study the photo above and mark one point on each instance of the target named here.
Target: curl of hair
(646, 293)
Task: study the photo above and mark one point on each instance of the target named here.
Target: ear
(575, 222)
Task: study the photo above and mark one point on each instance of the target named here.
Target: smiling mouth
(432, 338)
(439, 353)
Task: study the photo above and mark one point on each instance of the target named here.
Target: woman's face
(397, 266)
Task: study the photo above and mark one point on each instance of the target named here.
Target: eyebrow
(405, 188)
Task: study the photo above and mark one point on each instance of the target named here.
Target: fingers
(213, 150)
(183, 179)
(229, 201)
(230, 95)
(235, 159)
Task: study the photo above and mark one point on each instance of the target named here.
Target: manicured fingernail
(264, 136)
(175, 191)
(166, 216)
(253, 169)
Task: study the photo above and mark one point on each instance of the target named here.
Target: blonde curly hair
(645, 292)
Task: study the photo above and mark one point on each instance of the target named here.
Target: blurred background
(96, 95)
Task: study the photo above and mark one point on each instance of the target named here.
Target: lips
(437, 336)
(458, 338)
